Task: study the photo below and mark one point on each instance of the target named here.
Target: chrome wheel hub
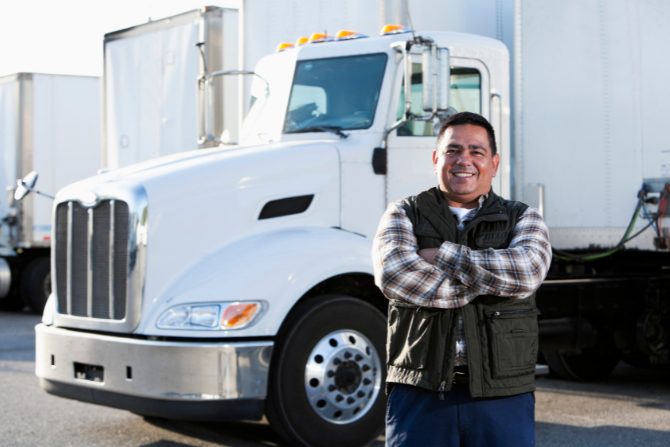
(343, 376)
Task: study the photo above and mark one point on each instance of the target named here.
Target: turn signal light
(301, 41)
(238, 314)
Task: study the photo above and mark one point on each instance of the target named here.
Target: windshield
(336, 93)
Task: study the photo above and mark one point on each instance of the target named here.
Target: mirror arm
(40, 193)
(204, 82)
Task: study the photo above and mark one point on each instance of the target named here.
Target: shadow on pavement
(231, 434)
(644, 385)
(559, 435)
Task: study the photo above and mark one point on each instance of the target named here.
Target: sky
(66, 36)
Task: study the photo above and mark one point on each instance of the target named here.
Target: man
(459, 266)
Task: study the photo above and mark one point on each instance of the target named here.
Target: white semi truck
(237, 282)
(167, 84)
(49, 124)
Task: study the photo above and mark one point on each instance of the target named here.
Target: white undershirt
(460, 213)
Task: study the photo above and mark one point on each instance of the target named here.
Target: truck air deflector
(286, 207)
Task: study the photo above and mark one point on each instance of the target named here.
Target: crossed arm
(453, 275)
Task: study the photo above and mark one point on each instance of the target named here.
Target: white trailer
(236, 282)
(152, 93)
(49, 124)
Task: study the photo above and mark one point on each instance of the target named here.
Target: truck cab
(233, 282)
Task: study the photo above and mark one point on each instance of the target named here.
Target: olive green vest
(501, 334)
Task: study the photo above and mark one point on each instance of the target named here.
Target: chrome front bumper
(187, 380)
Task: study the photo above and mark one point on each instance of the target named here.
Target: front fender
(277, 267)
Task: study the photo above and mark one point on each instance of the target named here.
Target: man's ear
(496, 162)
(435, 157)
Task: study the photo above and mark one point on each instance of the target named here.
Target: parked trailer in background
(153, 95)
(49, 124)
(236, 282)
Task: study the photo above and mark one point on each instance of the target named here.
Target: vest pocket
(513, 341)
(413, 333)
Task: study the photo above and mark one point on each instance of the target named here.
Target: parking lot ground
(629, 409)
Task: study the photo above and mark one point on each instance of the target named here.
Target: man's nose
(463, 158)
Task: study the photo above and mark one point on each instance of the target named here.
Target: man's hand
(429, 254)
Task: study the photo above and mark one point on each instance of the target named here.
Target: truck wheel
(589, 365)
(36, 283)
(327, 374)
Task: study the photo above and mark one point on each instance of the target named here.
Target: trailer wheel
(36, 283)
(327, 374)
(590, 364)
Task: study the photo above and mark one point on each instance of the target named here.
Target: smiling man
(459, 266)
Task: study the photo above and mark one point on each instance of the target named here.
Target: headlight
(211, 316)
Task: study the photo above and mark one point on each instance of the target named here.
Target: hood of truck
(199, 202)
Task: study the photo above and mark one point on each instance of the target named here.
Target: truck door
(409, 148)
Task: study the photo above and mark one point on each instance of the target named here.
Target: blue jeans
(417, 417)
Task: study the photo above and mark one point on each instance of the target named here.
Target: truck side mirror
(443, 79)
(25, 185)
(435, 72)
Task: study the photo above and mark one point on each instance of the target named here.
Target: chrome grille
(91, 259)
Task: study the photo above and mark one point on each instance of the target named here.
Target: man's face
(464, 164)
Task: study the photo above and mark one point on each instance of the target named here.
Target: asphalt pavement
(630, 409)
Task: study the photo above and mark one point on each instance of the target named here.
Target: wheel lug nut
(339, 398)
(337, 361)
(360, 394)
(332, 388)
(330, 373)
(350, 400)
(365, 368)
(347, 355)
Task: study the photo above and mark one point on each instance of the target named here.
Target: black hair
(475, 119)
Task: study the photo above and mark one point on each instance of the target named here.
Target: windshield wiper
(332, 129)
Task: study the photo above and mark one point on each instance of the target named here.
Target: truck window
(464, 96)
(339, 92)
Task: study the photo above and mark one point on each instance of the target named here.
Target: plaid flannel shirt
(460, 273)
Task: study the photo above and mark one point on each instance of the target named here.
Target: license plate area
(91, 373)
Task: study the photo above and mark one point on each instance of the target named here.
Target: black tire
(589, 365)
(327, 374)
(36, 283)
